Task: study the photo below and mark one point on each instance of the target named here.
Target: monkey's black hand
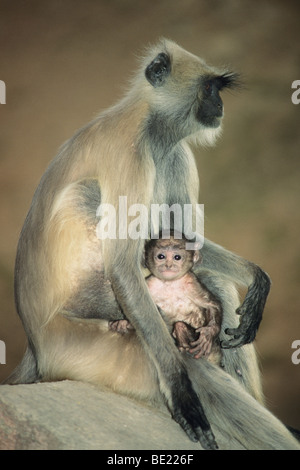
(251, 312)
(188, 412)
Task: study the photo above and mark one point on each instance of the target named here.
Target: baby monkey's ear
(197, 258)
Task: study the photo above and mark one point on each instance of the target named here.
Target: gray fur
(69, 283)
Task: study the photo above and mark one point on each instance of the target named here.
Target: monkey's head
(167, 259)
(184, 92)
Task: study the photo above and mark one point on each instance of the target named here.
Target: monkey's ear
(197, 258)
(158, 70)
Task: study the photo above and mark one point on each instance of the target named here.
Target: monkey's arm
(244, 273)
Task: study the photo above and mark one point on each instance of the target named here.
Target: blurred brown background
(62, 62)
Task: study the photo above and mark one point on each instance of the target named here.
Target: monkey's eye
(160, 256)
(177, 257)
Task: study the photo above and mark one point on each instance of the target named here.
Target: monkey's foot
(189, 414)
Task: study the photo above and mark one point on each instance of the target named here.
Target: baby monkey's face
(170, 263)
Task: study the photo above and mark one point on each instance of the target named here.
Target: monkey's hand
(189, 414)
(202, 346)
(251, 312)
(120, 326)
(184, 335)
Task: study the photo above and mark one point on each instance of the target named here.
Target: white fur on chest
(177, 299)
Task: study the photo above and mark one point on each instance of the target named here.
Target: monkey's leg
(94, 298)
(244, 273)
(82, 349)
(174, 382)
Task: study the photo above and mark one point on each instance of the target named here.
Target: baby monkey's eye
(160, 256)
(177, 257)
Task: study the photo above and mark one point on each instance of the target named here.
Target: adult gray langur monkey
(69, 283)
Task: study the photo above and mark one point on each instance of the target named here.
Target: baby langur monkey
(192, 312)
(189, 309)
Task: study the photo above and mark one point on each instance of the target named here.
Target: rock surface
(75, 415)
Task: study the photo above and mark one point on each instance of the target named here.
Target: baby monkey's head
(168, 259)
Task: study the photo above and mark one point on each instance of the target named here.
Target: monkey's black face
(210, 108)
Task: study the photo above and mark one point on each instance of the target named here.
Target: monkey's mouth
(169, 272)
(210, 116)
(211, 121)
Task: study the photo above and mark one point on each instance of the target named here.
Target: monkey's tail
(234, 412)
(25, 372)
